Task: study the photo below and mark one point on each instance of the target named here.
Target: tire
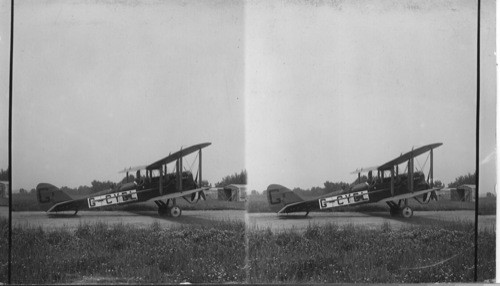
(175, 211)
(406, 212)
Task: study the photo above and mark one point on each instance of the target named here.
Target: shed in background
(233, 193)
(464, 193)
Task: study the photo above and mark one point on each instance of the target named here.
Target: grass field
(333, 254)
(258, 203)
(98, 253)
(4, 249)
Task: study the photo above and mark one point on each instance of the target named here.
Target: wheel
(175, 211)
(407, 212)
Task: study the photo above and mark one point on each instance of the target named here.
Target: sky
(296, 92)
(4, 82)
(100, 86)
(337, 85)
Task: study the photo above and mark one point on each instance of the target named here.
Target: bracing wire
(192, 163)
(439, 262)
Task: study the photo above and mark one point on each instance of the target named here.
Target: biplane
(389, 185)
(152, 182)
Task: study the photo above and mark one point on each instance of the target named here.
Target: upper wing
(409, 195)
(177, 155)
(405, 157)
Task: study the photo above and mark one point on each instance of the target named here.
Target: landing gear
(394, 211)
(175, 211)
(406, 212)
(400, 209)
(165, 210)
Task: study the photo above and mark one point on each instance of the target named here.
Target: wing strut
(392, 181)
(431, 170)
(161, 179)
(199, 170)
(410, 173)
(179, 174)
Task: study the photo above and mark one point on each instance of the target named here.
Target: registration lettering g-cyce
(322, 203)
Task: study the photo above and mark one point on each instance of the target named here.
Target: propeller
(434, 196)
(196, 196)
(429, 197)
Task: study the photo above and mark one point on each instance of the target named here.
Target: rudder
(279, 196)
(49, 195)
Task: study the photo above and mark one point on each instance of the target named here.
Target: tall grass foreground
(4, 249)
(123, 254)
(219, 253)
(347, 254)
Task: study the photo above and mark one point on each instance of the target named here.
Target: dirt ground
(138, 219)
(254, 220)
(4, 211)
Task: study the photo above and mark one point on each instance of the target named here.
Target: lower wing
(180, 194)
(409, 195)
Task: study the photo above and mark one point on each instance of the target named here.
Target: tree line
(4, 174)
(236, 178)
(329, 187)
(97, 186)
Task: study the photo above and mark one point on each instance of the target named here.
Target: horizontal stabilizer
(364, 170)
(132, 169)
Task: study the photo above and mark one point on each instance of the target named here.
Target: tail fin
(279, 196)
(49, 195)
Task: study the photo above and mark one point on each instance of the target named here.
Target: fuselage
(140, 190)
(374, 191)
(369, 192)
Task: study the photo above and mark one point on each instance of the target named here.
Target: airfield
(4, 211)
(141, 219)
(144, 219)
(373, 220)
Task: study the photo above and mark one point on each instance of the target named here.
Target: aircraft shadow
(65, 216)
(184, 219)
(415, 220)
(292, 217)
